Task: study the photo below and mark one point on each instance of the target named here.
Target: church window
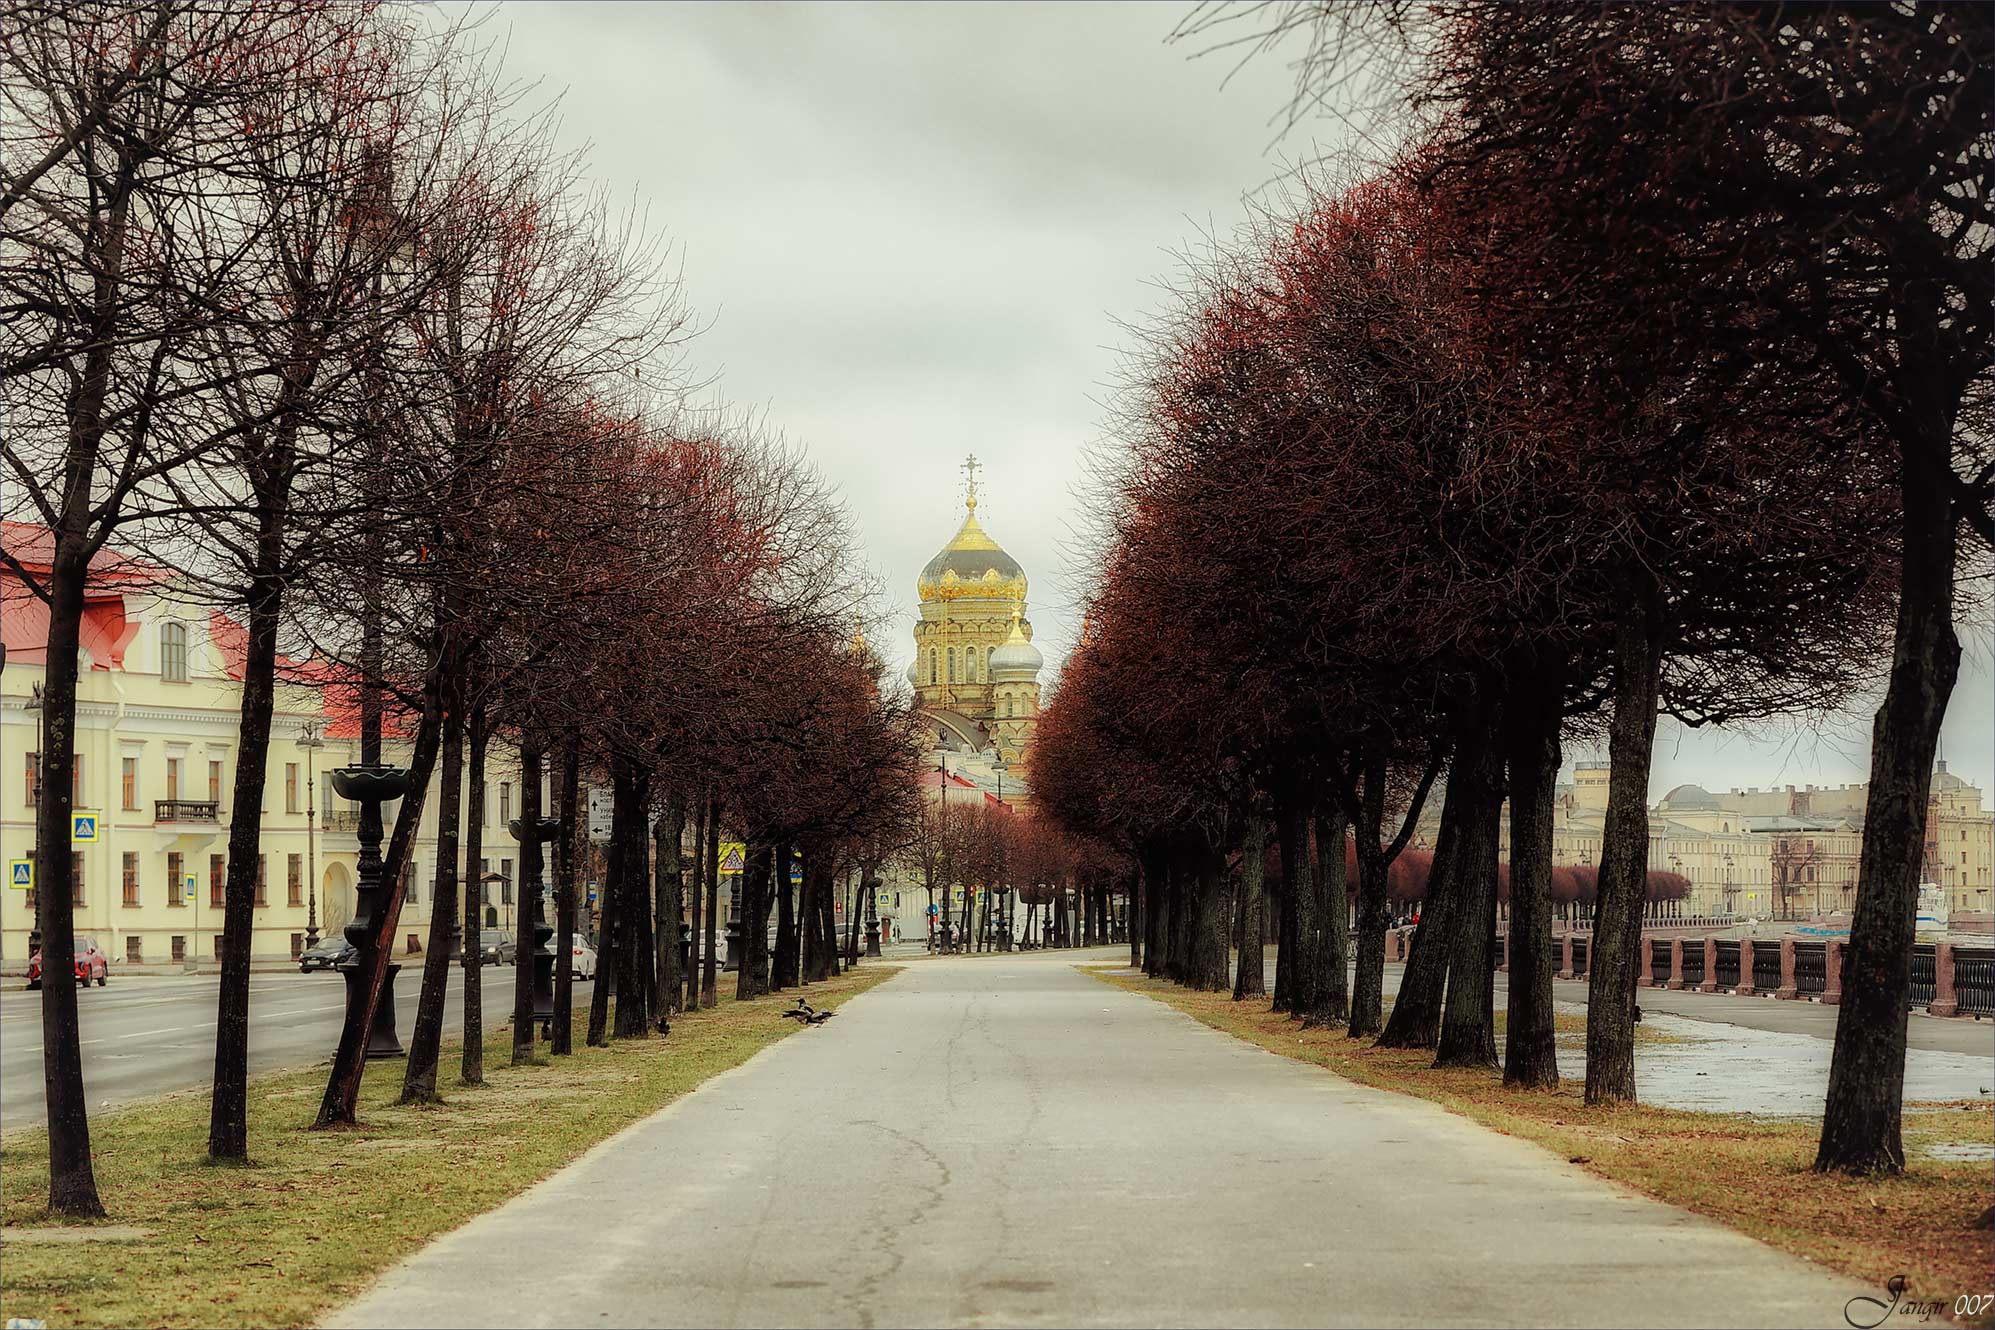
(969, 665)
(933, 667)
(952, 664)
(988, 653)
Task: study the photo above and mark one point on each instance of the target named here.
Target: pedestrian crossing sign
(191, 880)
(83, 827)
(21, 874)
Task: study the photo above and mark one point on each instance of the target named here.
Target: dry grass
(1751, 1173)
(317, 1215)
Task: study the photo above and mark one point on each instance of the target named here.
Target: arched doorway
(335, 898)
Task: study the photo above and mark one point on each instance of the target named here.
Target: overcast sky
(914, 230)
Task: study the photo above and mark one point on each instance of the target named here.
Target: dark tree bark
(1366, 805)
(1331, 987)
(472, 1071)
(749, 978)
(1206, 947)
(606, 969)
(426, 1040)
(568, 792)
(531, 867)
(671, 835)
(1299, 903)
(1156, 885)
(72, 1181)
(1416, 1012)
(1138, 921)
(630, 799)
(1531, 744)
(709, 976)
(1861, 1126)
(784, 970)
(1468, 1025)
(228, 1105)
(1249, 977)
(696, 899)
(1612, 962)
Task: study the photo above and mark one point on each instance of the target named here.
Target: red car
(90, 964)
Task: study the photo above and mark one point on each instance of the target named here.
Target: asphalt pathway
(1007, 1141)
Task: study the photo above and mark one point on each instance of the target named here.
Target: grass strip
(316, 1215)
(1748, 1172)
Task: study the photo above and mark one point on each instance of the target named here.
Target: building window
(933, 667)
(174, 895)
(262, 880)
(76, 878)
(134, 949)
(34, 781)
(409, 880)
(179, 948)
(129, 780)
(173, 652)
(505, 802)
(131, 874)
(216, 945)
(291, 787)
(172, 778)
(952, 664)
(969, 665)
(294, 879)
(988, 653)
(215, 782)
(218, 881)
(506, 886)
(297, 945)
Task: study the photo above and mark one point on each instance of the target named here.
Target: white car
(582, 961)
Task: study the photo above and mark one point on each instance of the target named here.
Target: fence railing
(1925, 975)
(186, 810)
(1728, 964)
(1974, 980)
(1811, 969)
(1766, 967)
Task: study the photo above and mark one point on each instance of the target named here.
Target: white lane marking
(181, 1029)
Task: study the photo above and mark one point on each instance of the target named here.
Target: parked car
(582, 960)
(331, 953)
(495, 947)
(90, 964)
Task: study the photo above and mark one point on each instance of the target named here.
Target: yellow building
(156, 732)
(1960, 843)
(975, 670)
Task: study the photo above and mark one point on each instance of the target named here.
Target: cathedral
(975, 670)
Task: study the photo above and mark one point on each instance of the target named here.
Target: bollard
(1648, 976)
(1787, 988)
(1675, 963)
(1745, 984)
(1710, 984)
(1945, 1001)
(1832, 973)
(1565, 957)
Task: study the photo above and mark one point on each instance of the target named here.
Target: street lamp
(487, 881)
(309, 740)
(533, 917)
(370, 786)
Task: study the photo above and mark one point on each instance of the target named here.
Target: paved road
(151, 1034)
(1007, 1141)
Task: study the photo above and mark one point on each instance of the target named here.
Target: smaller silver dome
(914, 672)
(1017, 656)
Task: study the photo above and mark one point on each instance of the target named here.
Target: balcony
(206, 812)
(345, 820)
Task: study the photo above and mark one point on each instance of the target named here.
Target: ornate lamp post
(871, 886)
(533, 918)
(309, 740)
(370, 786)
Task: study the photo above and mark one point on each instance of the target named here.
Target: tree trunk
(709, 973)
(671, 904)
(630, 800)
(228, 1106)
(426, 1039)
(72, 1180)
(1331, 909)
(696, 904)
(1468, 1025)
(1299, 890)
(561, 1039)
(1861, 1128)
(749, 981)
(1249, 978)
(1368, 988)
(1137, 922)
(1416, 1012)
(1206, 947)
(1531, 743)
(786, 973)
(531, 867)
(1624, 847)
(472, 1071)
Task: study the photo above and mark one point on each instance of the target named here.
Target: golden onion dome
(972, 566)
